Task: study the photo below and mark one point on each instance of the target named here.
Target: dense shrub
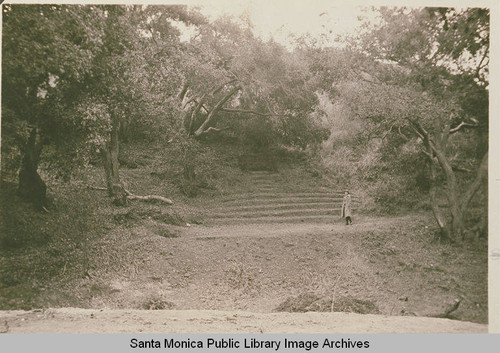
(257, 133)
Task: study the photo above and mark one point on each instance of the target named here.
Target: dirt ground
(72, 320)
(379, 275)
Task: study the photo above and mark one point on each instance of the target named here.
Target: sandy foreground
(75, 320)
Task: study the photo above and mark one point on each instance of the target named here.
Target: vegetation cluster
(179, 105)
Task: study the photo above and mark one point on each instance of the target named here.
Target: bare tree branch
(460, 169)
(419, 134)
(183, 90)
(192, 100)
(462, 125)
(431, 157)
(480, 65)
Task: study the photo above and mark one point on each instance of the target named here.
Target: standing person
(346, 208)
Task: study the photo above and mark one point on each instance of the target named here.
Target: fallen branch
(131, 196)
(462, 125)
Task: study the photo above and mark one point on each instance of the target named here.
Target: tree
(439, 92)
(110, 89)
(68, 85)
(47, 53)
(234, 78)
(119, 90)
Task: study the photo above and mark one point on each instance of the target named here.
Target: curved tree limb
(195, 111)
(217, 107)
(202, 102)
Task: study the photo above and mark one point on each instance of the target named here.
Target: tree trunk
(115, 187)
(440, 219)
(456, 224)
(31, 186)
(454, 228)
(194, 113)
(482, 173)
(210, 117)
(435, 151)
(457, 221)
(457, 205)
(202, 101)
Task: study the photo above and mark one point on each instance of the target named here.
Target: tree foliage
(437, 100)
(48, 53)
(77, 81)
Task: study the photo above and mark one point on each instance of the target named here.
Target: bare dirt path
(241, 277)
(71, 320)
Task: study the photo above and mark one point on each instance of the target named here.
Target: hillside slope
(268, 242)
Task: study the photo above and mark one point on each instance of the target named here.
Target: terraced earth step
(276, 213)
(294, 193)
(282, 201)
(281, 189)
(273, 206)
(269, 180)
(266, 181)
(282, 194)
(270, 177)
(262, 172)
(273, 219)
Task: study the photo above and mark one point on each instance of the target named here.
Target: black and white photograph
(247, 167)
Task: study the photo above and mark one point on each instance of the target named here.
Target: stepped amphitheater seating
(269, 203)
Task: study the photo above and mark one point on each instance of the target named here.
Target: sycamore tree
(237, 82)
(220, 77)
(435, 95)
